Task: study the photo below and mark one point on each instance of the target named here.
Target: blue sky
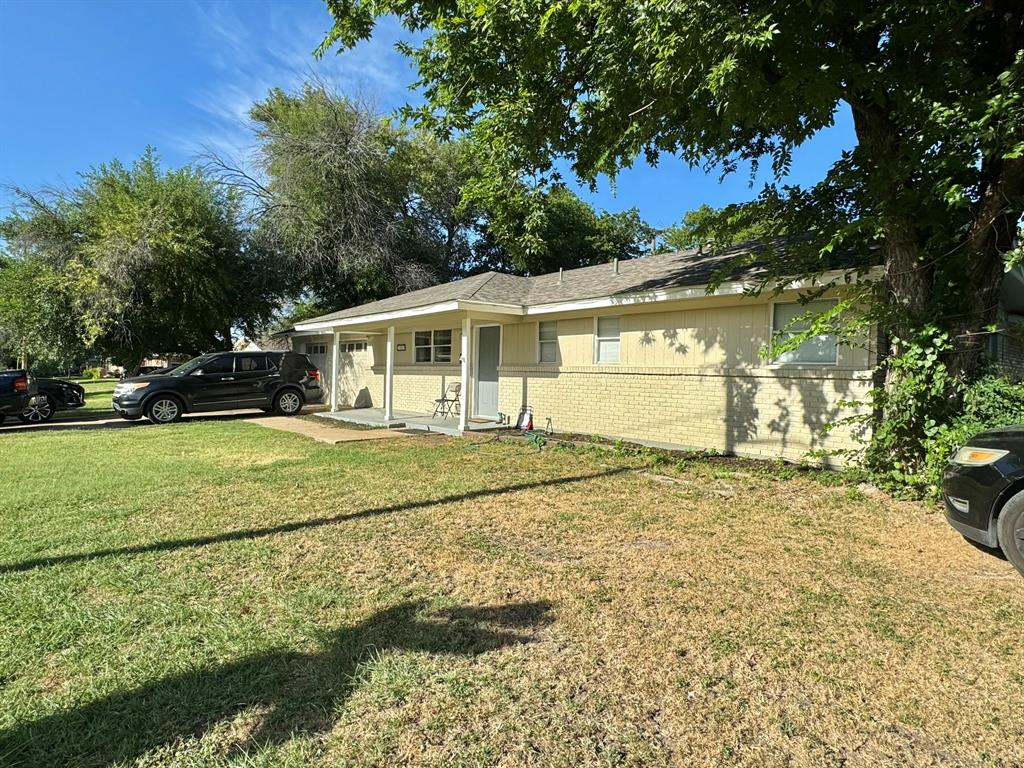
(85, 82)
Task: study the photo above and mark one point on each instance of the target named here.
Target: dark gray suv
(272, 381)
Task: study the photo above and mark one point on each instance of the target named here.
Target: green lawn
(215, 593)
(97, 397)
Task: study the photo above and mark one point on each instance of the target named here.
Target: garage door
(319, 353)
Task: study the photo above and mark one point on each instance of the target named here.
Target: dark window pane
(225, 364)
(443, 338)
(422, 354)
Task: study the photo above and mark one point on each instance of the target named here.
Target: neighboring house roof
(680, 269)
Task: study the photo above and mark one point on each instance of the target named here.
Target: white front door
(488, 352)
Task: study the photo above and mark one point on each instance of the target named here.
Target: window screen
(607, 350)
(547, 341)
(786, 323)
(433, 346)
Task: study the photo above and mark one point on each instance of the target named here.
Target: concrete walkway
(324, 433)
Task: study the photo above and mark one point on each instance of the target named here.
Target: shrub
(91, 373)
(991, 401)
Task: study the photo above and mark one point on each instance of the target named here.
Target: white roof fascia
(401, 314)
(380, 317)
(600, 302)
(734, 288)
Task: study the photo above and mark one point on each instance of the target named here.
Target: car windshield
(186, 368)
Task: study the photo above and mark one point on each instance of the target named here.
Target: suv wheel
(164, 409)
(288, 402)
(1010, 528)
(39, 411)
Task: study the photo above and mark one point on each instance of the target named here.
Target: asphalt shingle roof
(668, 270)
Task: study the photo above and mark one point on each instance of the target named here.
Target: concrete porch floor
(374, 417)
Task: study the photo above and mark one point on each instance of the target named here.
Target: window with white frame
(316, 349)
(547, 342)
(433, 346)
(792, 319)
(353, 346)
(606, 345)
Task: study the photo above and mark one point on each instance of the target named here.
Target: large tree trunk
(908, 274)
(991, 236)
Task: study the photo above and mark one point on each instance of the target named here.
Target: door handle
(227, 378)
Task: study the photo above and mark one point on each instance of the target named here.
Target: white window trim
(607, 338)
(433, 346)
(552, 341)
(773, 361)
(306, 347)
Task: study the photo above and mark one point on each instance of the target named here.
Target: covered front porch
(424, 422)
(390, 370)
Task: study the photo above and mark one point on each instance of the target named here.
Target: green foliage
(918, 398)
(137, 260)
(37, 310)
(933, 190)
(570, 234)
(991, 401)
(709, 227)
(362, 209)
(92, 373)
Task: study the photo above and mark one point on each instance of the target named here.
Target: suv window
(295, 360)
(249, 363)
(222, 364)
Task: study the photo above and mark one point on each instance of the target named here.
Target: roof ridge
(493, 273)
(490, 276)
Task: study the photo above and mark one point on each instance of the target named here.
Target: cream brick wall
(757, 412)
(689, 375)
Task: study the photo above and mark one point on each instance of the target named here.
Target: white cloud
(252, 48)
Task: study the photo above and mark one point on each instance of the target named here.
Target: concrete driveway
(65, 420)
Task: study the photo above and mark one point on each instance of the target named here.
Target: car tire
(1010, 530)
(164, 409)
(287, 402)
(40, 411)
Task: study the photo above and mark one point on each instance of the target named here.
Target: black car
(983, 490)
(17, 390)
(273, 381)
(152, 370)
(54, 395)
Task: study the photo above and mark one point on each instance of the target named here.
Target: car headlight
(128, 387)
(977, 457)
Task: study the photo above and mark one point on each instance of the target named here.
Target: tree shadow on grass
(295, 693)
(298, 525)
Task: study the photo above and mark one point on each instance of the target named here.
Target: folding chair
(448, 404)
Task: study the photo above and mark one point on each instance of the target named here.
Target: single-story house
(635, 349)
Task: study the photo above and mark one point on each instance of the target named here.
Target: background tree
(706, 226)
(566, 233)
(147, 261)
(360, 208)
(37, 315)
(934, 185)
(357, 208)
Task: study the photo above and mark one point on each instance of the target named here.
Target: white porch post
(389, 376)
(464, 395)
(334, 371)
